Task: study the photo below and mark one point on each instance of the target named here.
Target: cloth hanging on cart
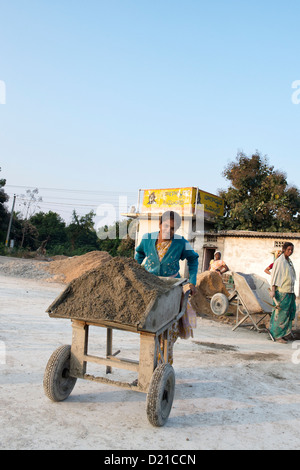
(188, 322)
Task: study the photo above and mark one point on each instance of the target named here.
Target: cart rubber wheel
(160, 395)
(57, 381)
(219, 304)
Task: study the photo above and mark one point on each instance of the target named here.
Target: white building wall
(241, 254)
(252, 255)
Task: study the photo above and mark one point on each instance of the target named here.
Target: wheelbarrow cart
(252, 299)
(156, 376)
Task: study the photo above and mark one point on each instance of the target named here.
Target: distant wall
(242, 253)
(253, 255)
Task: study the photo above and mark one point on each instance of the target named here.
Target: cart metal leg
(108, 347)
(246, 316)
(166, 339)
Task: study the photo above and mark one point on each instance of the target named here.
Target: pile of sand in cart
(119, 290)
(208, 284)
(67, 269)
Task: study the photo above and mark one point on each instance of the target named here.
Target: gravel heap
(26, 269)
(60, 269)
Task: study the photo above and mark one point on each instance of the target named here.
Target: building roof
(253, 234)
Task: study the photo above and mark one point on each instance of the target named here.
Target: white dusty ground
(234, 390)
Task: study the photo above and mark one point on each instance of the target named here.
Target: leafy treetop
(258, 197)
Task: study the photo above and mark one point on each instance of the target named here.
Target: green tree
(259, 197)
(51, 230)
(127, 243)
(81, 232)
(118, 239)
(4, 216)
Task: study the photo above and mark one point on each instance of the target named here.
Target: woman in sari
(277, 253)
(163, 250)
(217, 265)
(282, 283)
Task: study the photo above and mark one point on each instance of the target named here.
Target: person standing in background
(276, 253)
(217, 265)
(283, 278)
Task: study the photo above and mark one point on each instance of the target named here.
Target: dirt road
(234, 390)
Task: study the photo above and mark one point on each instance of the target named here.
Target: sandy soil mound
(58, 269)
(67, 269)
(208, 284)
(118, 290)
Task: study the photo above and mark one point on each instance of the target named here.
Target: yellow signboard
(212, 204)
(177, 199)
(181, 200)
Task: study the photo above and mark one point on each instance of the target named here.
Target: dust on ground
(107, 286)
(65, 270)
(234, 389)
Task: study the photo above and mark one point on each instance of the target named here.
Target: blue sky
(106, 97)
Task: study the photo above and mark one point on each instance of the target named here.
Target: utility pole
(10, 221)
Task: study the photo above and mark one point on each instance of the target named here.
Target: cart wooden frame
(155, 375)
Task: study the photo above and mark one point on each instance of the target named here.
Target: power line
(62, 203)
(72, 199)
(121, 201)
(101, 197)
(114, 191)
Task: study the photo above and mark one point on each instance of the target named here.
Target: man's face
(167, 229)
